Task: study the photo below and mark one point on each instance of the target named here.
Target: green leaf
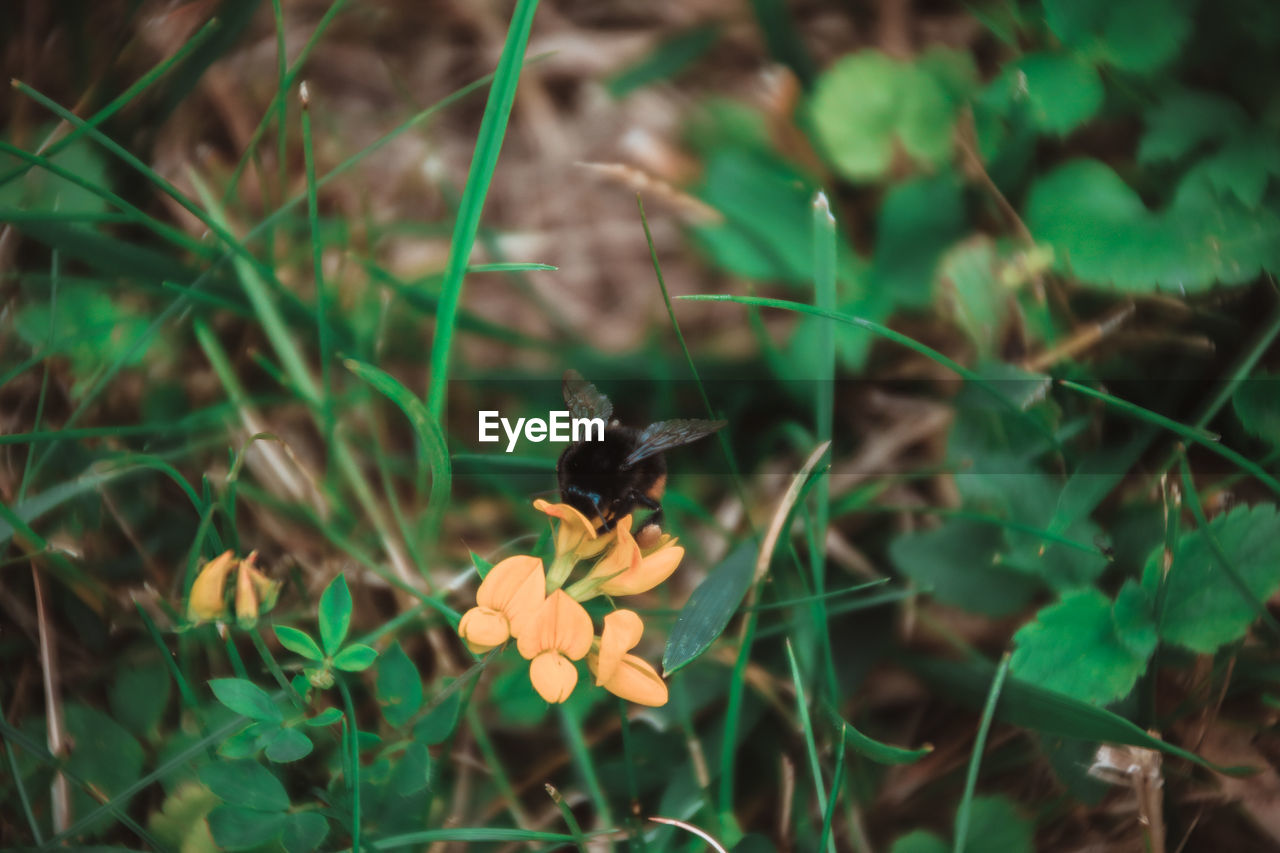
(180, 823)
(881, 753)
(87, 326)
(1103, 233)
(1257, 405)
(917, 221)
(288, 745)
(920, 841)
(41, 189)
(104, 755)
(246, 742)
(398, 687)
(440, 721)
(1244, 166)
(958, 564)
(327, 717)
(139, 696)
(355, 658)
(1203, 609)
(334, 614)
(304, 832)
(1059, 92)
(236, 828)
(868, 104)
(1185, 120)
(245, 783)
(971, 292)
(710, 607)
(1074, 647)
(996, 826)
(666, 60)
(1135, 35)
(298, 642)
(245, 697)
(412, 772)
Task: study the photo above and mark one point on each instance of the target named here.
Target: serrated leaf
(1059, 92)
(996, 826)
(298, 642)
(1186, 120)
(399, 686)
(710, 607)
(245, 697)
(868, 103)
(288, 745)
(355, 658)
(1135, 35)
(335, 614)
(957, 563)
(237, 828)
(1074, 647)
(1244, 166)
(1257, 405)
(304, 832)
(245, 783)
(1103, 233)
(1203, 609)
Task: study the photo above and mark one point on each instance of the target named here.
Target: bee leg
(655, 518)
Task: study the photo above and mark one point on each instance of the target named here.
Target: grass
(257, 344)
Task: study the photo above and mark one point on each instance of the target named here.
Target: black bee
(610, 478)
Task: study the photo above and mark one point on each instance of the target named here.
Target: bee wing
(583, 400)
(664, 435)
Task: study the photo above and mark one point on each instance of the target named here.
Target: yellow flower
(574, 529)
(626, 570)
(255, 592)
(558, 633)
(206, 602)
(622, 674)
(507, 597)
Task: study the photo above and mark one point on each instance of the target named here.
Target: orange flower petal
(514, 587)
(574, 528)
(246, 599)
(636, 681)
(651, 571)
(553, 676)
(622, 631)
(483, 629)
(206, 600)
(560, 624)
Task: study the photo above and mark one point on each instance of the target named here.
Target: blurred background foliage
(1025, 600)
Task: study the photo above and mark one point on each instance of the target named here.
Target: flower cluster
(521, 599)
(255, 592)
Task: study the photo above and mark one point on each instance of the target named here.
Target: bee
(608, 479)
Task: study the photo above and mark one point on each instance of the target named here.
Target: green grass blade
(323, 332)
(259, 295)
(975, 760)
(51, 148)
(493, 127)
(432, 445)
(1206, 440)
(806, 725)
(837, 781)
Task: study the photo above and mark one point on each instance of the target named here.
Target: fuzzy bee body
(610, 478)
